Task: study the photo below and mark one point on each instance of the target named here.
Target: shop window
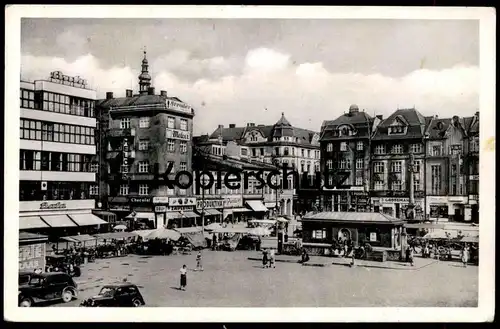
(144, 122)
(319, 234)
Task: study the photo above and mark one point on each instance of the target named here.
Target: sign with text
(178, 106)
(32, 257)
(160, 209)
(227, 202)
(179, 208)
(56, 205)
(178, 134)
(373, 237)
(160, 199)
(140, 199)
(182, 201)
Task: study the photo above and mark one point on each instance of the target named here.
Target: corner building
(57, 156)
(140, 136)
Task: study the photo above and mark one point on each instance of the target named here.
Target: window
(308, 153)
(171, 145)
(329, 164)
(170, 191)
(396, 166)
(184, 124)
(380, 149)
(94, 189)
(56, 132)
(143, 189)
(343, 146)
(143, 145)
(330, 180)
(124, 169)
(344, 164)
(416, 148)
(416, 182)
(378, 167)
(183, 147)
(359, 146)
(182, 191)
(397, 149)
(436, 150)
(144, 122)
(329, 147)
(316, 154)
(302, 152)
(286, 151)
(379, 185)
(396, 185)
(359, 163)
(474, 144)
(171, 122)
(124, 189)
(436, 179)
(316, 167)
(94, 167)
(396, 130)
(183, 166)
(359, 181)
(27, 99)
(124, 123)
(417, 165)
(319, 234)
(143, 167)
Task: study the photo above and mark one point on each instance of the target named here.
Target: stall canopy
(257, 206)
(194, 235)
(115, 235)
(25, 237)
(263, 221)
(29, 222)
(240, 210)
(270, 205)
(282, 219)
(143, 233)
(352, 217)
(213, 226)
(425, 225)
(79, 238)
(173, 215)
(87, 219)
(211, 212)
(58, 221)
(163, 233)
(470, 239)
(242, 230)
(142, 215)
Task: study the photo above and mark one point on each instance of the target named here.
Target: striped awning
(190, 214)
(257, 206)
(58, 221)
(30, 222)
(87, 219)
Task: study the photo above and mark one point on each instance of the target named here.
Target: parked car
(35, 288)
(61, 263)
(116, 295)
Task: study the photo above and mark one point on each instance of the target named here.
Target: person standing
(410, 256)
(465, 256)
(264, 258)
(214, 242)
(272, 260)
(199, 265)
(183, 277)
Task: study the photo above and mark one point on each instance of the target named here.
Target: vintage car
(61, 263)
(36, 288)
(116, 295)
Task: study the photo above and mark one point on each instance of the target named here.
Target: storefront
(59, 218)
(448, 208)
(176, 212)
(212, 209)
(352, 199)
(258, 209)
(398, 207)
(32, 251)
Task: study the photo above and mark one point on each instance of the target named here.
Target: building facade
(279, 144)
(397, 165)
(345, 156)
(140, 137)
(471, 160)
(57, 157)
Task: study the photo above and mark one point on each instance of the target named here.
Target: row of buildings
(85, 161)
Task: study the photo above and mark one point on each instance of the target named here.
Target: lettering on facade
(178, 106)
(178, 134)
(394, 200)
(59, 77)
(32, 256)
(160, 199)
(178, 208)
(57, 205)
(140, 200)
(160, 209)
(220, 203)
(182, 201)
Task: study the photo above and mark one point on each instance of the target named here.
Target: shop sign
(160, 199)
(394, 200)
(373, 237)
(459, 199)
(32, 257)
(118, 208)
(226, 202)
(178, 134)
(140, 199)
(160, 209)
(56, 205)
(182, 201)
(362, 200)
(178, 106)
(474, 197)
(179, 208)
(437, 199)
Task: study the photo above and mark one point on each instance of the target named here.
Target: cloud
(267, 83)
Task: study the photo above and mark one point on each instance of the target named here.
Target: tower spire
(144, 77)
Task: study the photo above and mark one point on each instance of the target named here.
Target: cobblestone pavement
(230, 279)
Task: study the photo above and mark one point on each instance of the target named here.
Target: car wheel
(67, 295)
(26, 302)
(136, 302)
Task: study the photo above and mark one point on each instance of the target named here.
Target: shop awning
(226, 212)
(173, 215)
(270, 205)
(58, 221)
(240, 210)
(145, 215)
(26, 237)
(190, 214)
(257, 205)
(29, 222)
(87, 219)
(211, 212)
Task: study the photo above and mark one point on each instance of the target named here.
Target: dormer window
(397, 130)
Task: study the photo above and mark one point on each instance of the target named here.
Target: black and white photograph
(300, 162)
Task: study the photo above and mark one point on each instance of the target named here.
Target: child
(183, 277)
(199, 266)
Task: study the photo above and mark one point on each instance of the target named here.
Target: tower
(144, 77)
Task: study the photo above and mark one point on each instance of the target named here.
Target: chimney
(250, 124)
(477, 114)
(151, 90)
(380, 117)
(109, 95)
(128, 92)
(221, 126)
(232, 125)
(163, 93)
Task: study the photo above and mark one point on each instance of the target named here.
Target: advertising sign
(226, 202)
(56, 205)
(178, 106)
(160, 209)
(178, 134)
(182, 201)
(373, 237)
(140, 199)
(160, 199)
(32, 257)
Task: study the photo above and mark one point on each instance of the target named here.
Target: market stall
(194, 235)
(32, 251)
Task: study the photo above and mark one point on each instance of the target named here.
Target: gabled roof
(416, 125)
(437, 128)
(358, 120)
(136, 100)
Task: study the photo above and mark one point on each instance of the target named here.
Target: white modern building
(57, 165)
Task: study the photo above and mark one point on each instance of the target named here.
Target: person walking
(465, 255)
(410, 256)
(264, 258)
(183, 277)
(199, 264)
(272, 259)
(214, 242)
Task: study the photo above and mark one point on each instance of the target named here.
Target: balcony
(121, 133)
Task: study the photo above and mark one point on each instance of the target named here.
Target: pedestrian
(426, 251)
(199, 265)
(465, 256)
(407, 254)
(352, 259)
(214, 242)
(183, 277)
(264, 258)
(272, 260)
(410, 256)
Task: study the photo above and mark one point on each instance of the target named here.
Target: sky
(252, 70)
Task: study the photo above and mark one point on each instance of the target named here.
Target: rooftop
(353, 217)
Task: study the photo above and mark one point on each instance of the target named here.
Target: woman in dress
(183, 277)
(465, 255)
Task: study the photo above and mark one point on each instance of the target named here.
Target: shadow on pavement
(176, 288)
